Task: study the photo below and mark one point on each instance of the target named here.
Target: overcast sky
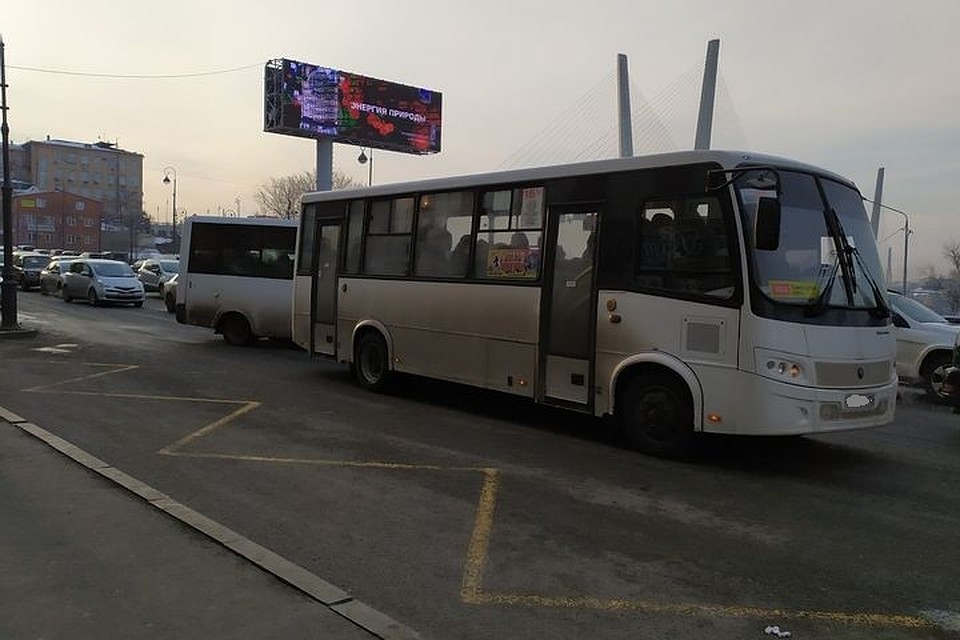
(851, 85)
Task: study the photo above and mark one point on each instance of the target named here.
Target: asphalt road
(464, 514)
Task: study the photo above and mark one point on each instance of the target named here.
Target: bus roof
(726, 159)
(252, 220)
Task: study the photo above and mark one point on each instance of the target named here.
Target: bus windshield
(816, 215)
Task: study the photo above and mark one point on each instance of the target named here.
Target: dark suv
(27, 268)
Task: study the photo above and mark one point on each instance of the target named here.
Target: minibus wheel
(236, 330)
(656, 415)
(371, 365)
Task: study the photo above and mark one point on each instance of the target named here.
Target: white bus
(700, 291)
(236, 276)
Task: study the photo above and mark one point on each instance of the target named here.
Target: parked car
(154, 273)
(925, 342)
(51, 278)
(169, 293)
(27, 267)
(102, 281)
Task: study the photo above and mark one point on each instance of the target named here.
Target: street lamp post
(166, 180)
(906, 242)
(8, 290)
(367, 160)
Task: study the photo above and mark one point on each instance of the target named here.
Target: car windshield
(35, 262)
(803, 268)
(112, 269)
(170, 266)
(916, 311)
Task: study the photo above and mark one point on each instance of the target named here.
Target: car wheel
(236, 330)
(371, 365)
(66, 296)
(93, 298)
(656, 415)
(170, 301)
(934, 372)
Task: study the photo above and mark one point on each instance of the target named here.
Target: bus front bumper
(769, 407)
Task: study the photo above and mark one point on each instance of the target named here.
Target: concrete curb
(19, 332)
(329, 595)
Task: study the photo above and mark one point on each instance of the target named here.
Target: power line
(162, 76)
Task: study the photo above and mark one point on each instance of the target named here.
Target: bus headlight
(782, 366)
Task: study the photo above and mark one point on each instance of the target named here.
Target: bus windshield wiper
(819, 306)
(880, 308)
(844, 253)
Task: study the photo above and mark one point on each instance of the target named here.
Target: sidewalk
(82, 556)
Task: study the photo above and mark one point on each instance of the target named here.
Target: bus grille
(849, 374)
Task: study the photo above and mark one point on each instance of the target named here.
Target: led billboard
(310, 101)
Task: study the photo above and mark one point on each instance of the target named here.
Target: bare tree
(281, 196)
(951, 251)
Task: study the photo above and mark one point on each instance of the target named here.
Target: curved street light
(906, 242)
(166, 180)
(363, 158)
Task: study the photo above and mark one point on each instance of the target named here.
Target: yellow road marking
(616, 604)
(471, 589)
(116, 368)
(320, 462)
(470, 585)
(213, 426)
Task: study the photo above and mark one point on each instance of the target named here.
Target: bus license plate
(858, 401)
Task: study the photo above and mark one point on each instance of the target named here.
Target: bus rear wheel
(371, 364)
(236, 330)
(656, 415)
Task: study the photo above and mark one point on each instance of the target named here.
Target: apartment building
(98, 171)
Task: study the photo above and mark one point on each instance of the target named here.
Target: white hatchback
(925, 343)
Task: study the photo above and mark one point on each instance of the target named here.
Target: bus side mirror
(767, 236)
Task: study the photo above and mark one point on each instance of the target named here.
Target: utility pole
(8, 290)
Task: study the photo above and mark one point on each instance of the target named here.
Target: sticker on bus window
(513, 263)
(793, 289)
(531, 208)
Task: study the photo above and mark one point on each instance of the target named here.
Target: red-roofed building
(57, 220)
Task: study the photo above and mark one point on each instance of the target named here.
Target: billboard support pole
(324, 164)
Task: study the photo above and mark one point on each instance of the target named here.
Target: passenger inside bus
(433, 252)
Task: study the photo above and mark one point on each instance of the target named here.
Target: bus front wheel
(371, 365)
(656, 415)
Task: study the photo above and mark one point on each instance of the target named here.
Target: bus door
(323, 337)
(567, 308)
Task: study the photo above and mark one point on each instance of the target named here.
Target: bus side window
(388, 237)
(510, 226)
(441, 215)
(681, 246)
(354, 233)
